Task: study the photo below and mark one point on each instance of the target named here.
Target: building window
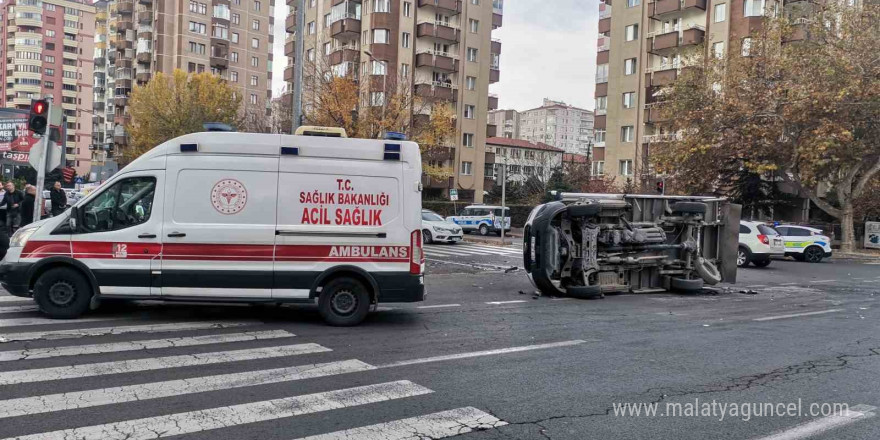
(255, 62)
(629, 66)
(753, 8)
(381, 36)
(471, 82)
(255, 80)
(469, 111)
(404, 70)
(632, 32)
(255, 25)
(379, 67)
(50, 33)
(50, 7)
(326, 20)
(312, 3)
(467, 139)
(199, 28)
(600, 136)
(310, 54)
(381, 5)
(472, 54)
(474, 25)
(720, 12)
(49, 85)
(327, 49)
(627, 133)
(601, 73)
(255, 43)
(629, 100)
(626, 167)
(601, 104)
(257, 6)
(404, 39)
(377, 99)
(253, 98)
(632, 3)
(196, 48)
(746, 46)
(718, 49)
(236, 19)
(191, 67)
(235, 37)
(233, 76)
(311, 28)
(233, 56)
(407, 9)
(467, 168)
(48, 58)
(598, 168)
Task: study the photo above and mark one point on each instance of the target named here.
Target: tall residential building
(642, 46)
(506, 123)
(229, 38)
(559, 125)
(444, 48)
(48, 47)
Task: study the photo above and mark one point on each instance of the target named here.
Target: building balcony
(290, 23)
(143, 77)
(344, 55)
(496, 46)
(660, 76)
(124, 24)
(655, 113)
(145, 34)
(497, 20)
(220, 62)
(491, 130)
(493, 101)
(605, 25)
(446, 7)
(663, 7)
(440, 61)
(145, 17)
(145, 2)
(660, 138)
(120, 100)
(494, 75)
(144, 57)
(125, 7)
(288, 73)
(436, 183)
(662, 44)
(446, 91)
(346, 29)
(439, 31)
(800, 31)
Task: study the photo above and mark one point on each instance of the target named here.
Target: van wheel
(814, 254)
(62, 293)
(344, 302)
(427, 237)
(484, 230)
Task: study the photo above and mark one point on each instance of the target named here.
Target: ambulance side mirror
(73, 220)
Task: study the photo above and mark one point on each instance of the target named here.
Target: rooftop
(519, 143)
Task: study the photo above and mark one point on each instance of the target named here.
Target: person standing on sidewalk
(27, 205)
(13, 214)
(59, 199)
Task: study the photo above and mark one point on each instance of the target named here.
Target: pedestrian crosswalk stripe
(9, 298)
(156, 390)
(100, 331)
(495, 248)
(129, 366)
(41, 320)
(431, 426)
(452, 252)
(115, 347)
(227, 416)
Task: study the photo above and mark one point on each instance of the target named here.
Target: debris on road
(511, 269)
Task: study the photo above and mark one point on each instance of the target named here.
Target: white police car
(805, 243)
(484, 219)
(437, 229)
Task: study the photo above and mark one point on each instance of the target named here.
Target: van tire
(427, 237)
(686, 286)
(344, 302)
(584, 292)
(484, 230)
(63, 293)
(707, 271)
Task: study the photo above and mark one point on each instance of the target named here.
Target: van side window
(127, 203)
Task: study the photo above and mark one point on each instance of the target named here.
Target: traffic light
(660, 187)
(37, 119)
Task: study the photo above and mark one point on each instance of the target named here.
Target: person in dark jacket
(59, 199)
(13, 215)
(27, 205)
(5, 208)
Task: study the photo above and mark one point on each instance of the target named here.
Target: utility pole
(41, 169)
(298, 65)
(503, 199)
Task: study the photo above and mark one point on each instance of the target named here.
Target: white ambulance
(236, 217)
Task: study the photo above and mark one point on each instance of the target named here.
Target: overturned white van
(237, 217)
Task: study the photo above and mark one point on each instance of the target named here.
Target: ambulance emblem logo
(229, 196)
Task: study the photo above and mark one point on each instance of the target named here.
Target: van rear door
(219, 229)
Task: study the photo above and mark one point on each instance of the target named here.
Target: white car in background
(757, 243)
(805, 243)
(437, 229)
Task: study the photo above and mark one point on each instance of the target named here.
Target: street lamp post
(298, 65)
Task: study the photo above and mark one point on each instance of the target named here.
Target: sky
(548, 50)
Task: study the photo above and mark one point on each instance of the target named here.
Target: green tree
(174, 105)
(803, 105)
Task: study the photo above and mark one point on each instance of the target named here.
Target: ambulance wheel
(62, 293)
(427, 237)
(344, 302)
(484, 230)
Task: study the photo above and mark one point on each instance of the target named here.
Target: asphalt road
(483, 358)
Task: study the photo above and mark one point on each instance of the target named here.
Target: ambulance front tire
(344, 302)
(62, 293)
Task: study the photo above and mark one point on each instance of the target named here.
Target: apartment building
(507, 120)
(523, 159)
(229, 38)
(48, 47)
(642, 46)
(443, 48)
(559, 125)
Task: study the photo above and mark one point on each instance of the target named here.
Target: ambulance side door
(119, 235)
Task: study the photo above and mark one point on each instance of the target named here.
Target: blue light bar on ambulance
(189, 148)
(289, 151)
(392, 152)
(394, 136)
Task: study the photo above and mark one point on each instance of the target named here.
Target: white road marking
(483, 353)
(824, 424)
(222, 417)
(495, 303)
(17, 309)
(788, 284)
(134, 365)
(156, 390)
(560, 299)
(438, 425)
(9, 298)
(115, 347)
(796, 315)
(439, 306)
(756, 286)
(41, 320)
(155, 328)
(823, 281)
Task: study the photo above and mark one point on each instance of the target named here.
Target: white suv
(805, 243)
(757, 243)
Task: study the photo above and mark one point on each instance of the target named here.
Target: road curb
(494, 242)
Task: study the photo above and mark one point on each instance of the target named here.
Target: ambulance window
(127, 203)
(506, 212)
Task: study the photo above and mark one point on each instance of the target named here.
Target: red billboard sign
(16, 140)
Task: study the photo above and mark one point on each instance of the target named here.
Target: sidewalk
(515, 236)
(860, 254)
